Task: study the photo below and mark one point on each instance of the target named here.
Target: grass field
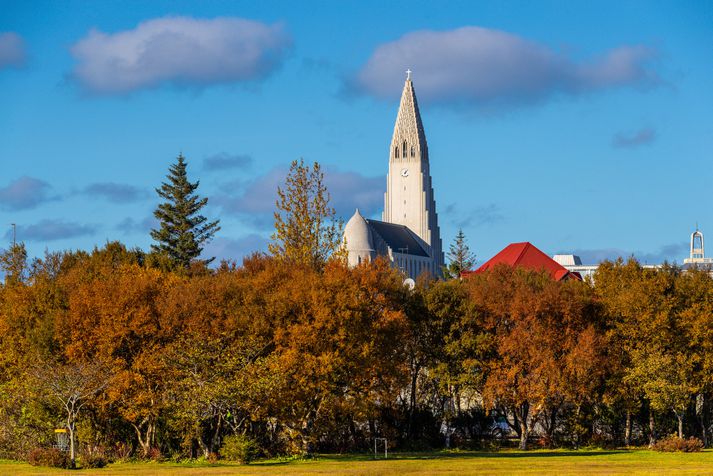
(498, 463)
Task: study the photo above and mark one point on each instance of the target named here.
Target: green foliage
(183, 231)
(459, 257)
(306, 231)
(239, 448)
(50, 457)
(675, 444)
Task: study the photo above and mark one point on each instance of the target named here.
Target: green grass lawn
(504, 462)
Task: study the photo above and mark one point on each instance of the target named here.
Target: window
(405, 150)
(396, 152)
(359, 260)
(413, 151)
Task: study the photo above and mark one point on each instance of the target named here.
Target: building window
(413, 151)
(359, 260)
(405, 150)
(396, 152)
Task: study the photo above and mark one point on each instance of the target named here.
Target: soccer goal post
(377, 443)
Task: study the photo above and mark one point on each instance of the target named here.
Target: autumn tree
(182, 229)
(545, 345)
(655, 363)
(460, 258)
(338, 347)
(306, 231)
(73, 386)
(13, 263)
(458, 346)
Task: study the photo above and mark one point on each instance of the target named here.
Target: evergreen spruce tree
(306, 231)
(183, 231)
(459, 257)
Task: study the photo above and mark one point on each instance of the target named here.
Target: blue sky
(582, 127)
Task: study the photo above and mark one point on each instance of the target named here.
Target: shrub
(154, 454)
(674, 443)
(52, 457)
(239, 448)
(93, 458)
(121, 452)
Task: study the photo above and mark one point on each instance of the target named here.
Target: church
(408, 233)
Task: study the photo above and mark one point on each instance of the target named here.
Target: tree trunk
(627, 429)
(524, 430)
(680, 424)
(215, 441)
(652, 429)
(416, 369)
(145, 442)
(523, 435)
(72, 456)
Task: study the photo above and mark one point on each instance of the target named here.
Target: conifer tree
(306, 230)
(183, 231)
(459, 256)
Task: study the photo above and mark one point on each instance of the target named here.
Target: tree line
(158, 354)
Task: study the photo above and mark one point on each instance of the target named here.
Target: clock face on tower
(404, 172)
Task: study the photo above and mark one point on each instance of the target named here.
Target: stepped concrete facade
(408, 233)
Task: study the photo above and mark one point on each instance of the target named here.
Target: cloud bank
(476, 217)
(671, 252)
(624, 140)
(116, 192)
(25, 193)
(12, 50)
(473, 66)
(51, 230)
(234, 249)
(181, 51)
(223, 161)
(255, 201)
(130, 225)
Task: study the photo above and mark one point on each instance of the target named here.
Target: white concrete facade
(414, 243)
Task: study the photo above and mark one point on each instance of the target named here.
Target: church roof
(527, 255)
(398, 237)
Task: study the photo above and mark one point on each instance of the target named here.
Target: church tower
(409, 197)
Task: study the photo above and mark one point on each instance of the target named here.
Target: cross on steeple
(408, 74)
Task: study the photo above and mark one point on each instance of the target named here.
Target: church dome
(358, 234)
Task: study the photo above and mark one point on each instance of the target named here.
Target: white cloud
(181, 51)
(12, 50)
(480, 66)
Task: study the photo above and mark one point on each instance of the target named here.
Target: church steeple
(408, 142)
(409, 197)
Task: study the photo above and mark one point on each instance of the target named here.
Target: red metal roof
(528, 256)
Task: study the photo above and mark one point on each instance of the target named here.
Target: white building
(408, 233)
(697, 258)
